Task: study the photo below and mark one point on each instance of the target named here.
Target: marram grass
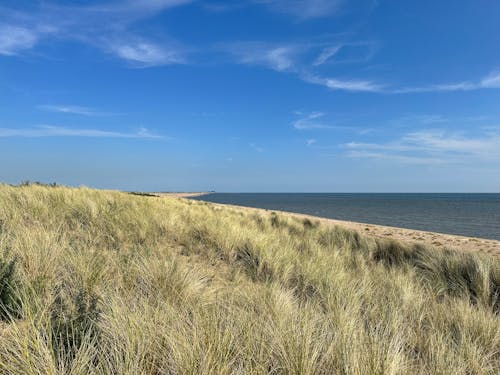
(102, 282)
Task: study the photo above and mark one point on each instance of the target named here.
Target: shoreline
(182, 194)
(434, 239)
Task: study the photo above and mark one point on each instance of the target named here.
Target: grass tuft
(9, 287)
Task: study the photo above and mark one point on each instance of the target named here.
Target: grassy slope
(107, 282)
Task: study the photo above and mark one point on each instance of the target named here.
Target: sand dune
(438, 240)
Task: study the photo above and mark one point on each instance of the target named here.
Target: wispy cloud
(301, 10)
(315, 121)
(427, 119)
(432, 146)
(344, 84)
(403, 159)
(420, 120)
(106, 26)
(326, 54)
(440, 141)
(221, 6)
(142, 53)
(14, 39)
(310, 121)
(73, 109)
(136, 8)
(61, 131)
(304, 9)
(294, 58)
(111, 27)
(310, 142)
(256, 147)
(491, 81)
(279, 57)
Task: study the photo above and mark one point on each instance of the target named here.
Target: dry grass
(111, 283)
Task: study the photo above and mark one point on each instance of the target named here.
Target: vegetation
(112, 283)
(143, 194)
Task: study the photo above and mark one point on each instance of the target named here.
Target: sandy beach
(182, 194)
(437, 240)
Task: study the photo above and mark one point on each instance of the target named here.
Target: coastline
(182, 194)
(434, 239)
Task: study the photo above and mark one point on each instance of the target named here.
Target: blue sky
(252, 95)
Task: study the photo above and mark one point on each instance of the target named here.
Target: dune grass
(112, 283)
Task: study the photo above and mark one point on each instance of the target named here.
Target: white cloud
(220, 7)
(105, 26)
(294, 58)
(326, 54)
(107, 15)
(352, 85)
(403, 159)
(290, 58)
(256, 147)
(346, 85)
(314, 121)
(310, 142)
(304, 9)
(429, 119)
(432, 146)
(135, 6)
(60, 131)
(72, 109)
(301, 10)
(310, 121)
(145, 54)
(491, 81)
(277, 57)
(15, 39)
(108, 26)
(412, 120)
(461, 86)
(442, 142)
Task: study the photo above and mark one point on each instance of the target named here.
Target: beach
(427, 238)
(181, 194)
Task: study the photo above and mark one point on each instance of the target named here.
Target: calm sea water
(476, 215)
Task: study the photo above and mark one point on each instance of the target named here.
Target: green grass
(113, 283)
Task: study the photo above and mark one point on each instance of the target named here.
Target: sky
(252, 95)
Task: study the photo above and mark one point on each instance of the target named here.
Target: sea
(473, 215)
